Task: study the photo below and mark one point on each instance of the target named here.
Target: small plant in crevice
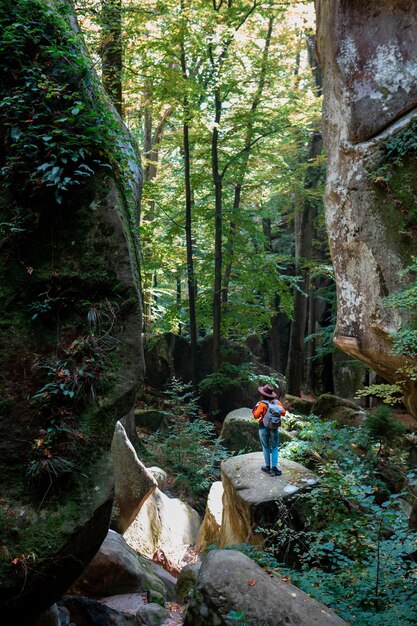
(48, 463)
(73, 378)
(237, 617)
(75, 382)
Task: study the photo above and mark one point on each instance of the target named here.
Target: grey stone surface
(117, 569)
(133, 484)
(230, 581)
(368, 55)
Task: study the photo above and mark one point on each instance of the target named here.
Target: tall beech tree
(111, 50)
(220, 96)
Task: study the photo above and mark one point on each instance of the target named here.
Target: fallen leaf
(252, 582)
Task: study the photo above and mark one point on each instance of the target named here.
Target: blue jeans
(269, 440)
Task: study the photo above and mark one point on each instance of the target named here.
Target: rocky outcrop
(70, 346)
(187, 581)
(165, 524)
(117, 569)
(251, 497)
(230, 582)
(333, 408)
(240, 431)
(133, 484)
(368, 54)
(86, 611)
(210, 530)
(297, 405)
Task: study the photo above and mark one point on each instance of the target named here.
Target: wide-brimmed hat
(266, 390)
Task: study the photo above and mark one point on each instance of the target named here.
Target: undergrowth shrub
(355, 553)
(187, 448)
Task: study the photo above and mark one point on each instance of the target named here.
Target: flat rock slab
(254, 486)
(253, 499)
(231, 581)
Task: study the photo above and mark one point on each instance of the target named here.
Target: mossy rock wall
(71, 357)
(368, 56)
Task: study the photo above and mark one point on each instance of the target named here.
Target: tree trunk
(218, 226)
(304, 232)
(243, 168)
(188, 226)
(112, 51)
(303, 226)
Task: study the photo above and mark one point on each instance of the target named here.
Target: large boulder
(117, 569)
(240, 431)
(251, 497)
(187, 580)
(230, 582)
(368, 54)
(70, 344)
(297, 405)
(164, 524)
(85, 611)
(133, 483)
(332, 408)
(210, 530)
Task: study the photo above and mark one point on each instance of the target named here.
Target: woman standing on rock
(265, 410)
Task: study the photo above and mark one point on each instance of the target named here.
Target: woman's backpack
(272, 418)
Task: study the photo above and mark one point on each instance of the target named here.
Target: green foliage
(180, 401)
(55, 138)
(390, 394)
(237, 617)
(264, 131)
(382, 427)
(356, 553)
(75, 382)
(403, 143)
(74, 377)
(46, 464)
(363, 567)
(229, 376)
(187, 448)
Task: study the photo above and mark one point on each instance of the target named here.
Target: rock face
(117, 569)
(368, 54)
(210, 531)
(230, 581)
(240, 431)
(86, 611)
(166, 524)
(250, 497)
(333, 408)
(133, 484)
(70, 346)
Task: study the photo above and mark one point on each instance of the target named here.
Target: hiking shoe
(275, 472)
(266, 468)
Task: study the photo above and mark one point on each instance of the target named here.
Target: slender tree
(188, 208)
(112, 50)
